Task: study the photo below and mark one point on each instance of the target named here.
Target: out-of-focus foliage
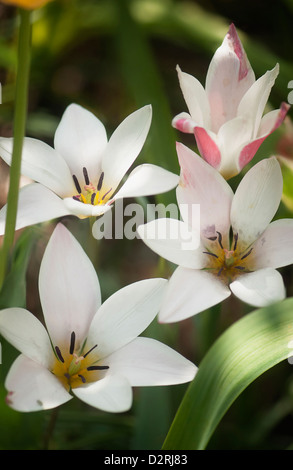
(113, 56)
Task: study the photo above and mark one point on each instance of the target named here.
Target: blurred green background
(112, 57)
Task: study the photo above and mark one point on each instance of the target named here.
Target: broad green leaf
(241, 354)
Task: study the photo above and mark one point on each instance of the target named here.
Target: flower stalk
(20, 113)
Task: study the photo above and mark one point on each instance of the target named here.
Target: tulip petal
(169, 238)
(41, 163)
(81, 139)
(228, 78)
(195, 98)
(124, 146)
(259, 288)
(82, 210)
(189, 292)
(125, 315)
(36, 204)
(256, 200)
(147, 362)
(146, 180)
(27, 334)
(184, 123)
(274, 248)
(201, 184)
(69, 288)
(32, 387)
(113, 394)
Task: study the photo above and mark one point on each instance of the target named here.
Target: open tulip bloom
(226, 115)
(239, 248)
(90, 349)
(80, 176)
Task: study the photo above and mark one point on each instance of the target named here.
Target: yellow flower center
(91, 194)
(227, 264)
(74, 369)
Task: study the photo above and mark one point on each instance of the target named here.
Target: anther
(76, 198)
(72, 343)
(97, 367)
(90, 350)
(247, 254)
(212, 238)
(240, 267)
(86, 176)
(100, 182)
(78, 189)
(82, 378)
(58, 352)
(211, 254)
(220, 239)
(235, 241)
(93, 198)
(106, 194)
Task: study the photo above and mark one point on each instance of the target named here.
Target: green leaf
(241, 354)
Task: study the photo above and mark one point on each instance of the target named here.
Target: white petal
(69, 288)
(256, 200)
(27, 334)
(259, 288)
(81, 139)
(82, 210)
(32, 387)
(146, 180)
(201, 184)
(41, 163)
(229, 77)
(254, 101)
(189, 292)
(125, 315)
(169, 238)
(195, 98)
(36, 204)
(124, 146)
(112, 394)
(147, 362)
(274, 248)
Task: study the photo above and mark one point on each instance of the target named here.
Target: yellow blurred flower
(27, 4)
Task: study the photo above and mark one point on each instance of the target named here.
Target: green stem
(20, 112)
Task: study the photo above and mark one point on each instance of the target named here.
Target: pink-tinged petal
(112, 394)
(260, 288)
(147, 362)
(27, 334)
(125, 315)
(82, 210)
(171, 239)
(255, 99)
(32, 387)
(81, 139)
(146, 180)
(201, 184)
(36, 204)
(195, 98)
(274, 248)
(189, 292)
(41, 163)
(256, 200)
(184, 123)
(207, 146)
(125, 145)
(69, 288)
(269, 123)
(229, 77)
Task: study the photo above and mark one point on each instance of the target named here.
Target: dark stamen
(67, 375)
(58, 352)
(106, 194)
(76, 198)
(76, 184)
(90, 350)
(212, 254)
(82, 378)
(100, 182)
(97, 367)
(240, 267)
(247, 254)
(235, 241)
(220, 239)
(212, 238)
(86, 176)
(220, 271)
(72, 343)
(93, 198)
